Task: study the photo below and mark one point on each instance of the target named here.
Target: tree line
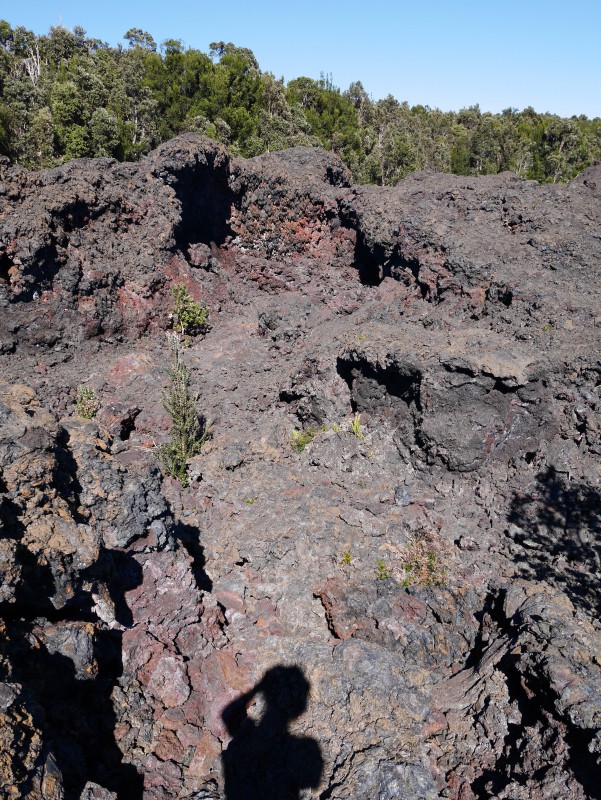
(66, 95)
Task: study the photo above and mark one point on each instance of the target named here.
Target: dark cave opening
(373, 386)
(206, 202)
(373, 265)
(75, 215)
(499, 294)
(5, 265)
(369, 264)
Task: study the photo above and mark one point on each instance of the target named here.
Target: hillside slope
(424, 573)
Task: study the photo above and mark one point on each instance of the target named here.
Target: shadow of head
(265, 759)
(286, 690)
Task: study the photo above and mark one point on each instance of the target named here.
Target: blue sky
(446, 54)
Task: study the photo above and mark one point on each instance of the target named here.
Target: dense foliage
(65, 95)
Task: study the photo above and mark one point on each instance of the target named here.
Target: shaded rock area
(408, 606)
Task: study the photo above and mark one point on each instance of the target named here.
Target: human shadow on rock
(561, 524)
(264, 761)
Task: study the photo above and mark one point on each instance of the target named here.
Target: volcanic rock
(404, 605)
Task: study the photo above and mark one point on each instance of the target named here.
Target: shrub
(189, 316)
(187, 433)
(86, 402)
(300, 439)
(423, 562)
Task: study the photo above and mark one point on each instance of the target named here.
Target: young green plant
(86, 402)
(356, 426)
(300, 439)
(187, 433)
(189, 316)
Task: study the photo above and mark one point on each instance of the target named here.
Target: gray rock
(433, 572)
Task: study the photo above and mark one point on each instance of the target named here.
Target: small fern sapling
(356, 426)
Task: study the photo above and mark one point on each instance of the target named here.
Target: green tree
(104, 133)
(136, 37)
(64, 94)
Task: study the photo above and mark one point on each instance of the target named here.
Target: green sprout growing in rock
(383, 571)
(300, 439)
(423, 564)
(356, 426)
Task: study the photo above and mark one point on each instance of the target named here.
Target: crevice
(501, 387)
(347, 766)
(188, 536)
(372, 386)
(222, 621)
(289, 396)
(77, 715)
(5, 266)
(499, 294)
(538, 715)
(128, 425)
(70, 687)
(460, 370)
(536, 703)
(328, 617)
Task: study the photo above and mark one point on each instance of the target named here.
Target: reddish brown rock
(428, 563)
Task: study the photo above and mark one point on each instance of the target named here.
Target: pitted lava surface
(426, 583)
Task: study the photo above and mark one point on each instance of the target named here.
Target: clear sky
(442, 53)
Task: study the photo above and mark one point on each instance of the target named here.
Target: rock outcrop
(407, 606)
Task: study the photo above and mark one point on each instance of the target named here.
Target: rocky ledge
(405, 603)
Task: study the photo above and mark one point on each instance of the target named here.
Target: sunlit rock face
(398, 600)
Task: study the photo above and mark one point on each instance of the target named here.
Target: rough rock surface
(408, 608)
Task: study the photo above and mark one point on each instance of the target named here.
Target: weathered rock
(411, 601)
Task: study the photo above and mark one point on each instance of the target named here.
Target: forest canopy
(66, 95)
